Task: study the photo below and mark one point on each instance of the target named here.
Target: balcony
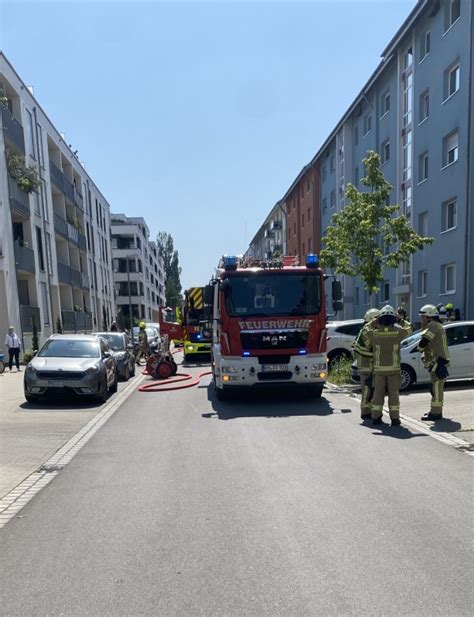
(68, 189)
(56, 175)
(68, 275)
(85, 281)
(268, 233)
(60, 225)
(12, 129)
(69, 231)
(76, 320)
(24, 258)
(19, 200)
(277, 224)
(27, 314)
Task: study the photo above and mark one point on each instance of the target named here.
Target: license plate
(274, 368)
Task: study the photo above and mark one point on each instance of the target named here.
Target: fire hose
(162, 366)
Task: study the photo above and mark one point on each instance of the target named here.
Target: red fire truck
(269, 325)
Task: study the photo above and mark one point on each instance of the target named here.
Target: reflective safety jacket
(406, 325)
(363, 355)
(433, 344)
(384, 341)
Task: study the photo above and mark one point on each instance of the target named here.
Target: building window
(452, 76)
(423, 167)
(44, 297)
(408, 60)
(309, 214)
(333, 199)
(453, 13)
(449, 214)
(385, 291)
(423, 224)
(325, 204)
(48, 253)
(450, 148)
(406, 201)
(302, 220)
(448, 278)
(333, 164)
(308, 186)
(367, 124)
(385, 104)
(424, 105)
(407, 99)
(356, 135)
(425, 44)
(40, 144)
(407, 156)
(325, 172)
(421, 285)
(385, 151)
(30, 140)
(357, 296)
(39, 243)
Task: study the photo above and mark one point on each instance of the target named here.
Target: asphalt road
(181, 505)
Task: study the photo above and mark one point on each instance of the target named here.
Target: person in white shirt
(13, 343)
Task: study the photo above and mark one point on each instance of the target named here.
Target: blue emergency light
(312, 260)
(230, 262)
(302, 352)
(246, 354)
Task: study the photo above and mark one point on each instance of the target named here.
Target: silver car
(74, 363)
(122, 349)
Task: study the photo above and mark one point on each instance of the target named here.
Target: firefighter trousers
(367, 393)
(437, 386)
(389, 384)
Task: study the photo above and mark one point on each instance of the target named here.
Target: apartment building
(139, 277)
(270, 239)
(55, 258)
(416, 111)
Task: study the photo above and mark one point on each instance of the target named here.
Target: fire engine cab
(269, 325)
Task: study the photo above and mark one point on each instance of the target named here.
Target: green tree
(172, 269)
(368, 235)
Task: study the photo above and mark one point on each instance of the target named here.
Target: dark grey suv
(75, 363)
(122, 348)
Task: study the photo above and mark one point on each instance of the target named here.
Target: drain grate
(50, 468)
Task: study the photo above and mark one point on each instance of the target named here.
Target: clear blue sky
(197, 116)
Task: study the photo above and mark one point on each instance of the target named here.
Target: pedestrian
(113, 327)
(402, 319)
(13, 344)
(142, 343)
(384, 342)
(435, 357)
(364, 361)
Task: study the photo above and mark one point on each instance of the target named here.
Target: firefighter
(435, 357)
(442, 313)
(451, 312)
(363, 359)
(384, 342)
(402, 319)
(142, 343)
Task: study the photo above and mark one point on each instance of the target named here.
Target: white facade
(139, 277)
(270, 239)
(55, 254)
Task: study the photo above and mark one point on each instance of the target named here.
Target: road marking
(16, 499)
(446, 438)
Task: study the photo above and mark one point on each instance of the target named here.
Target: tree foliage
(172, 269)
(368, 235)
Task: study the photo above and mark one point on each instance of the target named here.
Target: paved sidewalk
(31, 433)
(458, 409)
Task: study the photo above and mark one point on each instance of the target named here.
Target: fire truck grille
(274, 340)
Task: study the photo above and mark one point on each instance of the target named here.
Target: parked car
(460, 336)
(340, 336)
(122, 348)
(76, 363)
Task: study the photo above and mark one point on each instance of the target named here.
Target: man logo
(274, 340)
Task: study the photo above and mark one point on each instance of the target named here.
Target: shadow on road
(267, 404)
(446, 426)
(396, 432)
(61, 403)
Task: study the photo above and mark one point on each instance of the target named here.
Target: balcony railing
(68, 189)
(12, 129)
(68, 275)
(24, 258)
(27, 314)
(60, 225)
(76, 320)
(85, 281)
(56, 175)
(19, 200)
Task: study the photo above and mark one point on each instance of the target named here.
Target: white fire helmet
(387, 310)
(429, 310)
(372, 313)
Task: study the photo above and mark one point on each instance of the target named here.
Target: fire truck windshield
(272, 294)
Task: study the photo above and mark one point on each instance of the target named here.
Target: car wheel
(101, 395)
(126, 373)
(407, 377)
(132, 372)
(114, 387)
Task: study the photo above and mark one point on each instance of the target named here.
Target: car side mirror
(336, 291)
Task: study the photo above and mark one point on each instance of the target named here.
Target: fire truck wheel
(315, 391)
(164, 370)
